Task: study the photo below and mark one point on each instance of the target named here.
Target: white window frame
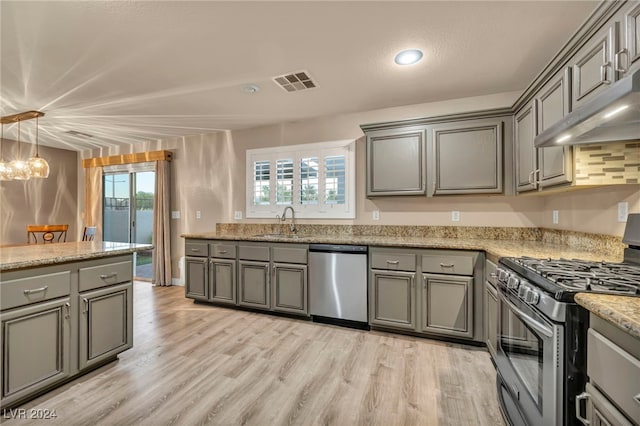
(297, 152)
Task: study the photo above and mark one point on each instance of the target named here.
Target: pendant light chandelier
(6, 172)
(19, 169)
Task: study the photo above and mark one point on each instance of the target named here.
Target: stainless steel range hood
(613, 115)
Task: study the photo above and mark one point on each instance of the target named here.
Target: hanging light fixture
(38, 167)
(6, 171)
(20, 169)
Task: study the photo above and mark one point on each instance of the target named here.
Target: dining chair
(89, 233)
(37, 234)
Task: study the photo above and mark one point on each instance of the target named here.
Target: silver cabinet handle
(223, 252)
(393, 262)
(616, 60)
(531, 176)
(493, 275)
(582, 397)
(446, 265)
(603, 73)
(86, 305)
(536, 176)
(107, 276)
(413, 282)
(195, 250)
(36, 290)
(68, 307)
(637, 398)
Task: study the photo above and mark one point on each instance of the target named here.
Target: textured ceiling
(126, 72)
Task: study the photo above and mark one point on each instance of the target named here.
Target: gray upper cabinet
(396, 162)
(467, 157)
(555, 164)
(593, 65)
(627, 58)
(525, 151)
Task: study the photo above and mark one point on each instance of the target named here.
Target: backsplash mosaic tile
(607, 163)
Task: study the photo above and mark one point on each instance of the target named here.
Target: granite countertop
(494, 248)
(29, 256)
(621, 311)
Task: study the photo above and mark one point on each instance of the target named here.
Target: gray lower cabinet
(491, 318)
(106, 323)
(392, 301)
(290, 288)
(36, 348)
(254, 284)
(222, 281)
(466, 157)
(196, 270)
(447, 305)
(396, 162)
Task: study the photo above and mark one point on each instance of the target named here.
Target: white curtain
(161, 226)
(93, 199)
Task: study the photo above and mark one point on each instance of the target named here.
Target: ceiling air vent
(296, 81)
(78, 134)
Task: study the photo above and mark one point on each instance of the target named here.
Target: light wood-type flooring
(198, 364)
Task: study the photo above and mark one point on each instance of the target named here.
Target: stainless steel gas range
(542, 332)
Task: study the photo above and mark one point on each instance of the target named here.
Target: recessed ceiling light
(408, 57)
(251, 89)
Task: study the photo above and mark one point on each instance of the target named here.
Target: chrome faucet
(283, 218)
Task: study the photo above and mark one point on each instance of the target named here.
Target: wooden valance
(140, 157)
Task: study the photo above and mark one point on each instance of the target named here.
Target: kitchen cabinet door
(222, 281)
(491, 318)
(36, 348)
(253, 284)
(106, 323)
(196, 278)
(467, 157)
(525, 150)
(593, 67)
(290, 288)
(392, 299)
(555, 164)
(447, 305)
(396, 162)
(627, 58)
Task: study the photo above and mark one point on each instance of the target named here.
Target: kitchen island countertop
(494, 248)
(621, 311)
(29, 256)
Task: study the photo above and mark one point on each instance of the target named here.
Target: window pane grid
(334, 184)
(309, 181)
(261, 176)
(284, 181)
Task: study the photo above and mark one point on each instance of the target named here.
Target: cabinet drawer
(393, 261)
(448, 264)
(224, 251)
(193, 248)
(614, 371)
(25, 291)
(283, 254)
(104, 275)
(254, 253)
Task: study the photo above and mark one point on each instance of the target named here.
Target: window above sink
(317, 180)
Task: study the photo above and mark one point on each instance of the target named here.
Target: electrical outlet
(237, 215)
(556, 217)
(455, 216)
(198, 214)
(175, 214)
(376, 215)
(623, 211)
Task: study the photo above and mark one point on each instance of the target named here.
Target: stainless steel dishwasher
(338, 283)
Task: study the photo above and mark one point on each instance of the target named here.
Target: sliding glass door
(128, 212)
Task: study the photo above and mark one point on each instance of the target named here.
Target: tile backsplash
(607, 163)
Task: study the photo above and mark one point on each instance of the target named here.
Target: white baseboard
(177, 281)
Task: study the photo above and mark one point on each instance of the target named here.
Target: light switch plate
(237, 215)
(175, 214)
(455, 216)
(376, 215)
(198, 214)
(555, 215)
(623, 211)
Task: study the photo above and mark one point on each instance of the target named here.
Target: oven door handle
(535, 324)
